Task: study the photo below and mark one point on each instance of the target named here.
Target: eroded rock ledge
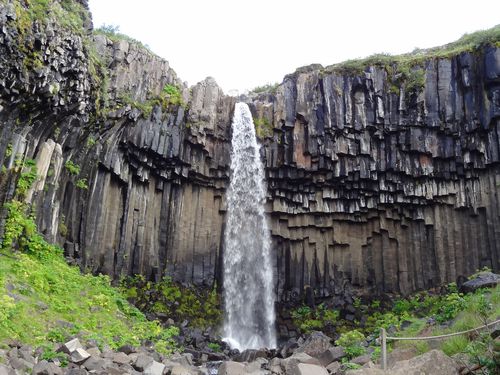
(371, 184)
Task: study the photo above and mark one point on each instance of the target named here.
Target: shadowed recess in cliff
(248, 278)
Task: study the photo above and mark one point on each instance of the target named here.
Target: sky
(244, 44)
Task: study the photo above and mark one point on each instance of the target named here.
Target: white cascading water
(248, 276)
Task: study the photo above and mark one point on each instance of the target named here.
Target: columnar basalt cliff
(392, 189)
(382, 180)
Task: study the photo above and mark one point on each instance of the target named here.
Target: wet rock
(250, 355)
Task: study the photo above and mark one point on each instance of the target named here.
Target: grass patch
(467, 43)
(270, 88)
(169, 97)
(44, 300)
(113, 33)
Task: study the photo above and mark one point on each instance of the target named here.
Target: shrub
(352, 343)
(72, 168)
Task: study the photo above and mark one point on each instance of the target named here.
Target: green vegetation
(200, 308)
(72, 168)
(270, 88)
(27, 177)
(71, 15)
(263, 128)
(214, 346)
(42, 299)
(308, 319)
(82, 184)
(476, 309)
(467, 43)
(170, 96)
(113, 33)
(352, 343)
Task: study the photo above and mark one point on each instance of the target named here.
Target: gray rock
(315, 344)
(20, 364)
(95, 351)
(121, 358)
(154, 368)
(232, 368)
(335, 353)
(94, 364)
(434, 362)
(76, 371)
(361, 360)
(291, 362)
(46, 368)
(308, 369)
(142, 362)
(4, 370)
(334, 368)
(482, 280)
(71, 345)
(180, 370)
(79, 355)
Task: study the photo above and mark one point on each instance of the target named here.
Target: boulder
(94, 364)
(71, 346)
(315, 344)
(334, 368)
(482, 280)
(121, 358)
(308, 369)
(46, 368)
(232, 368)
(361, 360)
(251, 355)
(335, 353)
(289, 363)
(142, 362)
(79, 355)
(180, 370)
(155, 368)
(4, 370)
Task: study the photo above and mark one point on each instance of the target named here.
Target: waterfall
(248, 276)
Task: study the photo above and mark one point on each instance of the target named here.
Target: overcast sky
(243, 44)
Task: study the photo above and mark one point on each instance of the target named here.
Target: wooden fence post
(383, 337)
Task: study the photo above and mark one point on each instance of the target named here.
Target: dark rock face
(392, 191)
(382, 189)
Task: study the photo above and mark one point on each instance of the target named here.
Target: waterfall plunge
(248, 276)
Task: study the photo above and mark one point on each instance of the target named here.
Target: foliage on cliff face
(201, 308)
(43, 299)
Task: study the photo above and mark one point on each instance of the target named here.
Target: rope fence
(384, 338)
